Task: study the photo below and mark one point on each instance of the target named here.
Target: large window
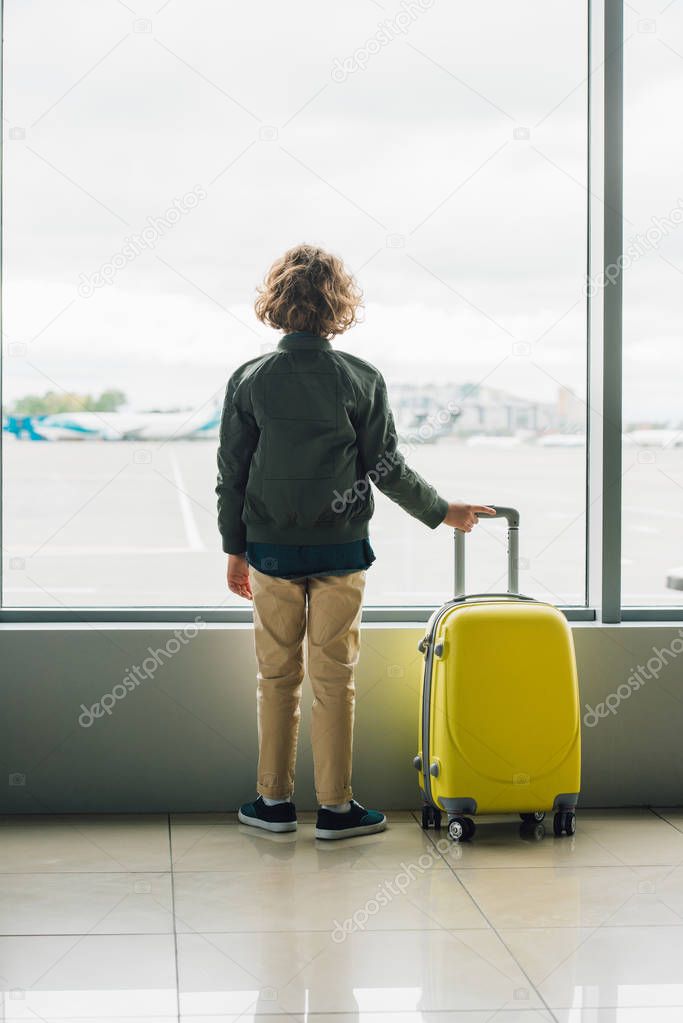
(652, 563)
(156, 162)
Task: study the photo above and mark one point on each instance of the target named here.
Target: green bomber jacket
(305, 430)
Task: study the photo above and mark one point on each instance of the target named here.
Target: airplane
(561, 440)
(655, 438)
(492, 440)
(119, 426)
(152, 426)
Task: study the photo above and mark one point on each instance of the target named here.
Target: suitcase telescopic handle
(512, 517)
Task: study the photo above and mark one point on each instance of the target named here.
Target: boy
(303, 430)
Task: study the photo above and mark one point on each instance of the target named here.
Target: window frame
(605, 90)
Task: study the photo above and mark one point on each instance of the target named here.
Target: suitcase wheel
(461, 829)
(532, 831)
(431, 817)
(564, 823)
(533, 818)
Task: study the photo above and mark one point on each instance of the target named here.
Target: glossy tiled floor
(198, 918)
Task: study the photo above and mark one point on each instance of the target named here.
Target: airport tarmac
(120, 523)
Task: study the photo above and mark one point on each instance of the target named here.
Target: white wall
(186, 739)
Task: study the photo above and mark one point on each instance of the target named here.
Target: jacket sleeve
(384, 464)
(239, 436)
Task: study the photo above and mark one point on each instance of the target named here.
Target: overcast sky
(468, 240)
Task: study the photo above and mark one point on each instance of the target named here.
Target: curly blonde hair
(309, 290)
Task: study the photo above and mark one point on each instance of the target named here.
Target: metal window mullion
(2, 337)
(588, 453)
(612, 311)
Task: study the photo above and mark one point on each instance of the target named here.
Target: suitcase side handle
(512, 517)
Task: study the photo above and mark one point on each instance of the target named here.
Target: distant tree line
(61, 401)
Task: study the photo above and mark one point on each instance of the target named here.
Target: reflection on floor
(197, 917)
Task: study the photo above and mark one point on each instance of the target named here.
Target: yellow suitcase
(500, 722)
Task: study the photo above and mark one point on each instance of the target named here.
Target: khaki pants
(327, 611)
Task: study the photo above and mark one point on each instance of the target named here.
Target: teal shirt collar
(303, 339)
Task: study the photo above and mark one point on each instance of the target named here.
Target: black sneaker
(358, 821)
(281, 817)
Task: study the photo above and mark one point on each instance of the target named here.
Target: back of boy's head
(310, 290)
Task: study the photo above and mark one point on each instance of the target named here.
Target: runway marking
(69, 552)
(54, 589)
(194, 539)
(650, 511)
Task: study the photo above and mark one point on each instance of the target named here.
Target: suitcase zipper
(428, 649)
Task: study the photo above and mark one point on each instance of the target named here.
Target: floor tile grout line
(572, 866)
(494, 929)
(273, 868)
(386, 1012)
(665, 820)
(324, 930)
(94, 873)
(161, 819)
(354, 869)
(455, 873)
(484, 917)
(87, 934)
(389, 1012)
(475, 1012)
(173, 919)
(208, 930)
